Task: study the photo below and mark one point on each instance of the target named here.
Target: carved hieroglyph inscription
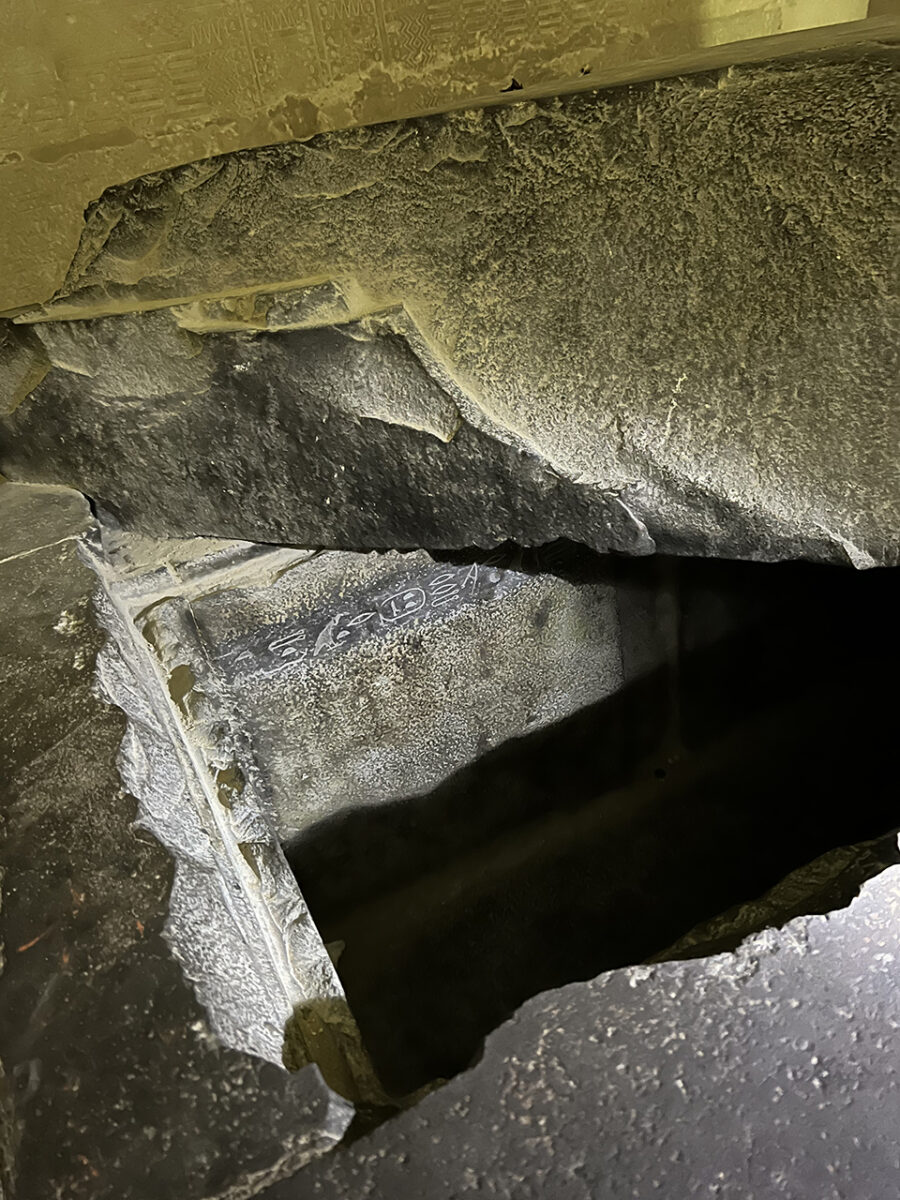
(304, 642)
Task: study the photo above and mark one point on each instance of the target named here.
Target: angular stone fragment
(152, 359)
(672, 297)
(23, 364)
(314, 437)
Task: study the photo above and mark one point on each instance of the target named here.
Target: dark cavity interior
(759, 740)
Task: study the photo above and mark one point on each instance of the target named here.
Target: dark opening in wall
(758, 738)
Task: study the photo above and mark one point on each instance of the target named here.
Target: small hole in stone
(512, 86)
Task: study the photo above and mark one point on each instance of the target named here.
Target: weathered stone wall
(99, 93)
(651, 318)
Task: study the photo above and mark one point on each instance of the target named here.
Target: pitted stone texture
(770, 1072)
(673, 294)
(363, 680)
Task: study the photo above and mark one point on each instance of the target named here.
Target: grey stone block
(656, 316)
(113, 1084)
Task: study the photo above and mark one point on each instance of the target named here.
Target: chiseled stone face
(649, 318)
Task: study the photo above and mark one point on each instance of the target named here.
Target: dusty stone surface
(113, 1085)
(237, 923)
(674, 294)
(769, 1072)
(366, 679)
(110, 91)
(268, 689)
(109, 1061)
(23, 364)
(278, 448)
(479, 766)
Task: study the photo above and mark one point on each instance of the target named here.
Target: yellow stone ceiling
(95, 92)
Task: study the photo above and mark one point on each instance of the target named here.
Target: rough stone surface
(115, 89)
(237, 923)
(114, 1086)
(275, 448)
(367, 679)
(535, 743)
(769, 1072)
(23, 364)
(672, 297)
(268, 689)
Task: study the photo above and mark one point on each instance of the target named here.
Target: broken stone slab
(662, 313)
(269, 690)
(314, 437)
(113, 1085)
(767, 1071)
(237, 923)
(23, 364)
